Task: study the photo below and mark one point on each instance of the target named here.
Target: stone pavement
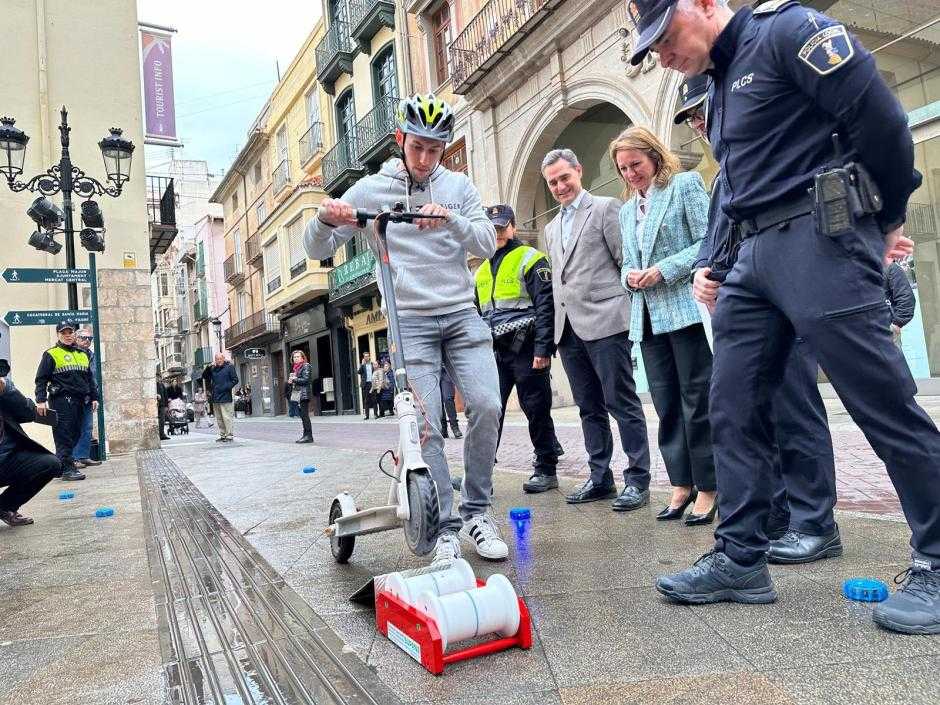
(602, 633)
(77, 619)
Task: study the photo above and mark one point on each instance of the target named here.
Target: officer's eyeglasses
(695, 119)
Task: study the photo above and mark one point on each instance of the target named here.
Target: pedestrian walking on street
(449, 406)
(161, 409)
(207, 385)
(366, 370)
(807, 78)
(65, 381)
(663, 221)
(387, 396)
(25, 466)
(82, 451)
(379, 382)
(224, 380)
(293, 408)
(900, 297)
(299, 379)
(514, 293)
(199, 407)
(592, 317)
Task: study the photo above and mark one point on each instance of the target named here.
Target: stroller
(176, 417)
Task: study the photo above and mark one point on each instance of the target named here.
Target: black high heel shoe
(669, 514)
(702, 519)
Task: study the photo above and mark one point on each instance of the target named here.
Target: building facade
(84, 57)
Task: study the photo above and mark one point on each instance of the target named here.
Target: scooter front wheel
(425, 510)
(341, 546)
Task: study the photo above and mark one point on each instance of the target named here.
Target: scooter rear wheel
(425, 510)
(341, 546)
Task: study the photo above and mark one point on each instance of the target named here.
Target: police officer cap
(501, 215)
(650, 17)
(65, 325)
(692, 92)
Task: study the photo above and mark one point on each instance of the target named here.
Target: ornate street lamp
(13, 143)
(117, 153)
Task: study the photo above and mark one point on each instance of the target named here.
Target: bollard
(865, 590)
(66, 495)
(458, 576)
(473, 613)
(309, 469)
(104, 512)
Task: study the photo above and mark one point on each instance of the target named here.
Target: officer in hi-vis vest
(517, 304)
(65, 380)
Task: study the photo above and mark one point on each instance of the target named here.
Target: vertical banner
(159, 107)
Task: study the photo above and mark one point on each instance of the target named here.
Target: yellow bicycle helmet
(426, 115)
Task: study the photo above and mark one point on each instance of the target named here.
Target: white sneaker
(484, 533)
(447, 549)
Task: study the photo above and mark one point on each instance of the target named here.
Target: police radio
(843, 195)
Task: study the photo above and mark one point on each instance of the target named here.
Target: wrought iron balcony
(375, 133)
(253, 249)
(200, 262)
(254, 326)
(174, 364)
(335, 54)
(351, 277)
(311, 142)
(341, 166)
(491, 34)
(200, 309)
(281, 176)
(368, 17)
(202, 357)
(233, 269)
(161, 212)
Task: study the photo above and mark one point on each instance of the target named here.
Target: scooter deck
(367, 521)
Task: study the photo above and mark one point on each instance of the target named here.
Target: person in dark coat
(207, 384)
(224, 380)
(299, 379)
(387, 395)
(900, 297)
(25, 466)
(161, 409)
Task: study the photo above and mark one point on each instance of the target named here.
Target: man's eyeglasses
(85, 337)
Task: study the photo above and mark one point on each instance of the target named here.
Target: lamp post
(217, 324)
(69, 180)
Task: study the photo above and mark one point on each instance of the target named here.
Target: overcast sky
(225, 54)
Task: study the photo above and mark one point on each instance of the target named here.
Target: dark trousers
(303, 407)
(449, 408)
(601, 376)
(65, 434)
(368, 398)
(791, 281)
(24, 474)
(679, 369)
(385, 406)
(534, 389)
(161, 421)
(805, 494)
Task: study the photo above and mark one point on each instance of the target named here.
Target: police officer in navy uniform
(65, 380)
(514, 293)
(810, 265)
(800, 526)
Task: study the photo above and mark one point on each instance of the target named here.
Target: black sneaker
(915, 607)
(716, 578)
(72, 475)
(540, 483)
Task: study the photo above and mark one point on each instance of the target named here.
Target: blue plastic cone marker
(309, 469)
(66, 495)
(865, 590)
(104, 512)
(520, 516)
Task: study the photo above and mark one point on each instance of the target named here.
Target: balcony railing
(273, 284)
(200, 262)
(281, 176)
(200, 309)
(335, 54)
(161, 212)
(253, 249)
(921, 222)
(341, 166)
(174, 363)
(311, 142)
(352, 276)
(202, 357)
(367, 17)
(489, 36)
(254, 326)
(375, 133)
(233, 268)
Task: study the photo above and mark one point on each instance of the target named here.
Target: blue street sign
(26, 275)
(47, 318)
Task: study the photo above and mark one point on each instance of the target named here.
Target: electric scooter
(413, 502)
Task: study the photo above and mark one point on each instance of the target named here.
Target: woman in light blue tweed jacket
(663, 220)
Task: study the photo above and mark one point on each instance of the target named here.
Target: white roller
(491, 609)
(458, 576)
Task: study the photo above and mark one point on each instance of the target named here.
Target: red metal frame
(422, 633)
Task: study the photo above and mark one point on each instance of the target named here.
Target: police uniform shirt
(785, 78)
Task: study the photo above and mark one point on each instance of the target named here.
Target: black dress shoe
(540, 483)
(631, 498)
(796, 547)
(703, 519)
(670, 513)
(457, 432)
(304, 439)
(72, 475)
(588, 492)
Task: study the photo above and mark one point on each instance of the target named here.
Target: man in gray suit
(592, 317)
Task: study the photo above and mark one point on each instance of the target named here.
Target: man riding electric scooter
(434, 292)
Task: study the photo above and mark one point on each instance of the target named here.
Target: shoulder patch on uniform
(827, 50)
(545, 274)
(765, 8)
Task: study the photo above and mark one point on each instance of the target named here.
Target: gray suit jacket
(586, 277)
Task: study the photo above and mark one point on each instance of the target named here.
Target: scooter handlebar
(392, 216)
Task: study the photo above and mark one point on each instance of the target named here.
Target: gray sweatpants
(463, 343)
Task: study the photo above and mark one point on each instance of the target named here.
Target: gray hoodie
(429, 267)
